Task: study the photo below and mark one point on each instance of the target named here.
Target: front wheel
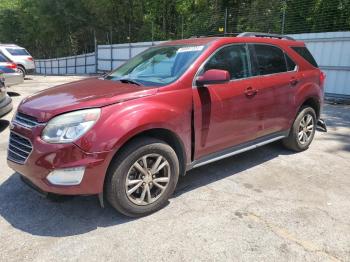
(303, 130)
(142, 178)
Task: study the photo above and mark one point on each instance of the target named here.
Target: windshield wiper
(129, 81)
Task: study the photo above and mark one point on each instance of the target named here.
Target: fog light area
(67, 176)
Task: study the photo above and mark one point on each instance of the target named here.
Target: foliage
(52, 28)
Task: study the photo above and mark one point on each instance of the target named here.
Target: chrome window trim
(249, 62)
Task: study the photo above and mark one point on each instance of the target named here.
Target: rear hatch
(21, 56)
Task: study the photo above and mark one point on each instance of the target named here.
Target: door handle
(250, 92)
(294, 81)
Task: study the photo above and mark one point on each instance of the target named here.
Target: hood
(88, 93)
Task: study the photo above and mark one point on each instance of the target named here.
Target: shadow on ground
(13, 94)
(337, 117)
(27, 211)
(3, 124)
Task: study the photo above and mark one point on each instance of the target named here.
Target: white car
(12, 77)
(20, 56)
(5, 100)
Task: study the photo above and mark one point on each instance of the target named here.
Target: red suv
(128, 136)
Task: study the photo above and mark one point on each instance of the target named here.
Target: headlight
(70, 126)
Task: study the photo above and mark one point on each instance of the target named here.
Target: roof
(10, 45)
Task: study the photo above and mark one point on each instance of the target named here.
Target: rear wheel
(22, 71)
(142, 178)
(303, 130)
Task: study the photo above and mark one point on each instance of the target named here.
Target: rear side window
(233, 59)
(3, 58)
(291, 66)
(17, 51)
(305, 53)
(270, 60)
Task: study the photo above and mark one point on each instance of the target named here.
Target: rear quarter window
(305, 53)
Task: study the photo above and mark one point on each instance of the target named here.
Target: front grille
(25, 120)
(19, 148)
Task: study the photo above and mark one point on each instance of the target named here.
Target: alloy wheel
(147, 179)
(306, 128)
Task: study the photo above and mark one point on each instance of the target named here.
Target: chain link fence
(273, 16)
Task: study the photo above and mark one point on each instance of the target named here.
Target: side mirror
(213, 76)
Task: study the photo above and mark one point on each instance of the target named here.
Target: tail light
(322, 78)
(30, 58)
(11, 66)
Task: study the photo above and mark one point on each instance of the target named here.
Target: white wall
(332, 53)
(80, 64)
(112, 56)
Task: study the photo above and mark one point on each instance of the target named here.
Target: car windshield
(157, 66)
(17, 51)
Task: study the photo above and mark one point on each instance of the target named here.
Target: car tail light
(11, 66)
(30, 58)
(322, 78)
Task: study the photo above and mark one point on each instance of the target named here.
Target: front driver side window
(233, 59)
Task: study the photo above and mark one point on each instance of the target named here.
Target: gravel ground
(264, 205)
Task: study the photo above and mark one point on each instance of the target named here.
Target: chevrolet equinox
(129, 135)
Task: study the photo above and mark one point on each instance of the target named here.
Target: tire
(148, 197)
(22, 70)
(301, 135)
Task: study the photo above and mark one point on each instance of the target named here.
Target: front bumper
(46, 158)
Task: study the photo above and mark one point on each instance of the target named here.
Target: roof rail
(255, 34)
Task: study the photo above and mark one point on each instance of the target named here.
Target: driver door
(225, 115)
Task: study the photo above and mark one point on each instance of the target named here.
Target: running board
(237, 150)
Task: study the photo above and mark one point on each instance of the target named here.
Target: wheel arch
(166, 135)
(20, 65)
(314, 103)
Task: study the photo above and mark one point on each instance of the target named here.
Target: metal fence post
(284, 15)
(225, 27)
(96, 52)
(111, 57)
(182, 27)
(75, 65)
(85, 63)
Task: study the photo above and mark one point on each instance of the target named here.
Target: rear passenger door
(276, 78)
